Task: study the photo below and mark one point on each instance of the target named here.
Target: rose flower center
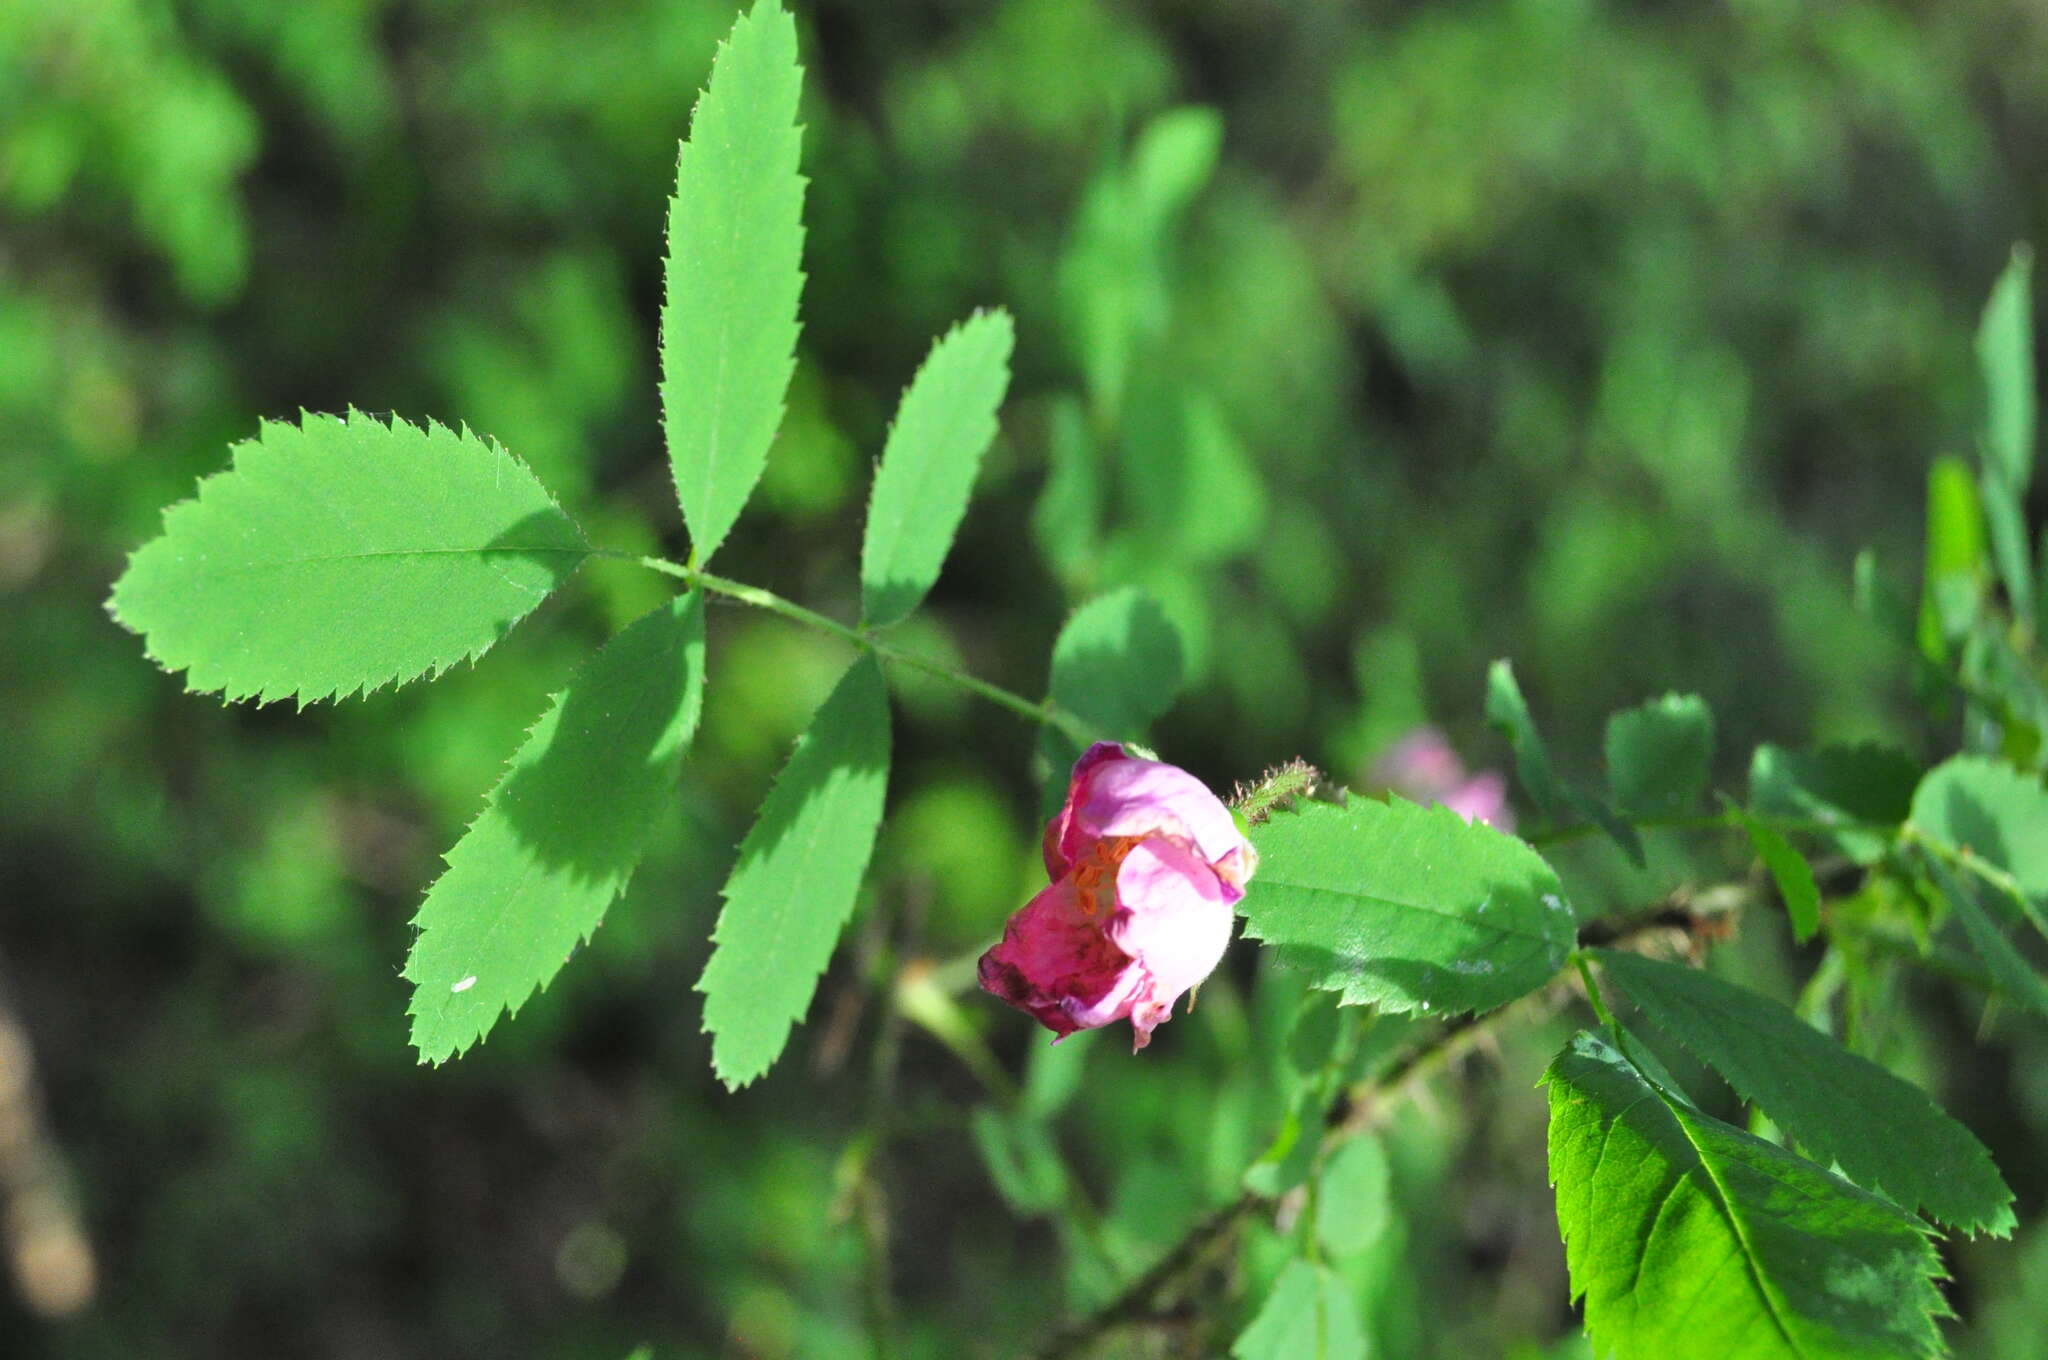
(1095, 873)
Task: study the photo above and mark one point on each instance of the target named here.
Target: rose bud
(1146, 864)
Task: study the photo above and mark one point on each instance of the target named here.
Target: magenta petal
(1482, 798)
(1058, 856)
(1055, 962)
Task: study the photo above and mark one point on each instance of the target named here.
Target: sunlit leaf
(1407, 907)
(344, 554)
(1509, 713)
(561, 833)
(943, 426)
(1351, 1197)
(2005, 363)
(733, 276)
(1884, 1133)
(1117, 663)
(1310, 1315)
(1692, 1240)
(798, 874)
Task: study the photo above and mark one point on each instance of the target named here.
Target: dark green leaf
(1883, 1132)
(1117, 663)
(1658, 753)
(1837, 786)
(561, 833)
(1789, 870)
(1689, 1238)
(1509, 713)
(1969, 897)
(1406, 907)
(798, 874)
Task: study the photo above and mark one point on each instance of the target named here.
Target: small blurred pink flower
(1422, 766)
(1146, 864)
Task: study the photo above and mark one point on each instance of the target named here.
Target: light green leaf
(1406, 907)
(1287, 1160)
(1117, 663)
(798, 874)
(1689, 1238)
(1789, 870)
(1866, 790)
(561, 833)
(943, 426)
(1351, 1197)
(1509, 713)
(1883, 1132)
(2005, 361)
(1992, 811)
(1953, 587)
(733, 276)
(1967, 895)
(1310, 1315)
(1067, 520)
(1658, 753)
(345, 554)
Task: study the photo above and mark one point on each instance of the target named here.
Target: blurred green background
(1376, 340)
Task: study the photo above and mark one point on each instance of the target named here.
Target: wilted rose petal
(1146, 864)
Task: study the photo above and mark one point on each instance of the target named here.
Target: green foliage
(1406, 907)
(1690, 1238)
(1509, 713)
(1789, 870)
(1953, 587)
(1883, 1132)
(1022, 1160)
(1117, 664)
(798, 874)
(945, 423)
(2005, 366)
(734, 273)
(560, 834)
(1351, 1197)
(1969, 897)
(344, 554)
(1866, 790)
(1309, 1315)
(1993, 812)
(1658, 754)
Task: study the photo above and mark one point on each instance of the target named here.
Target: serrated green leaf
(1310, 1315)
(1883, 1132)
(943, 426)
(1351, 1197)
(1117, 663)
(1689, 1238)
(2010, 970)
(1865, 789)
(2005, 363)
(1789, 870)
(1658, 754)
(1509, 714)
(345, 554)
(798, 874)
(561, 833)
(1992, 811)
(733, 275)
(1407, 907)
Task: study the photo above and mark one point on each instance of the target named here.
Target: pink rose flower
(1146, 865)
(1422, 766)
